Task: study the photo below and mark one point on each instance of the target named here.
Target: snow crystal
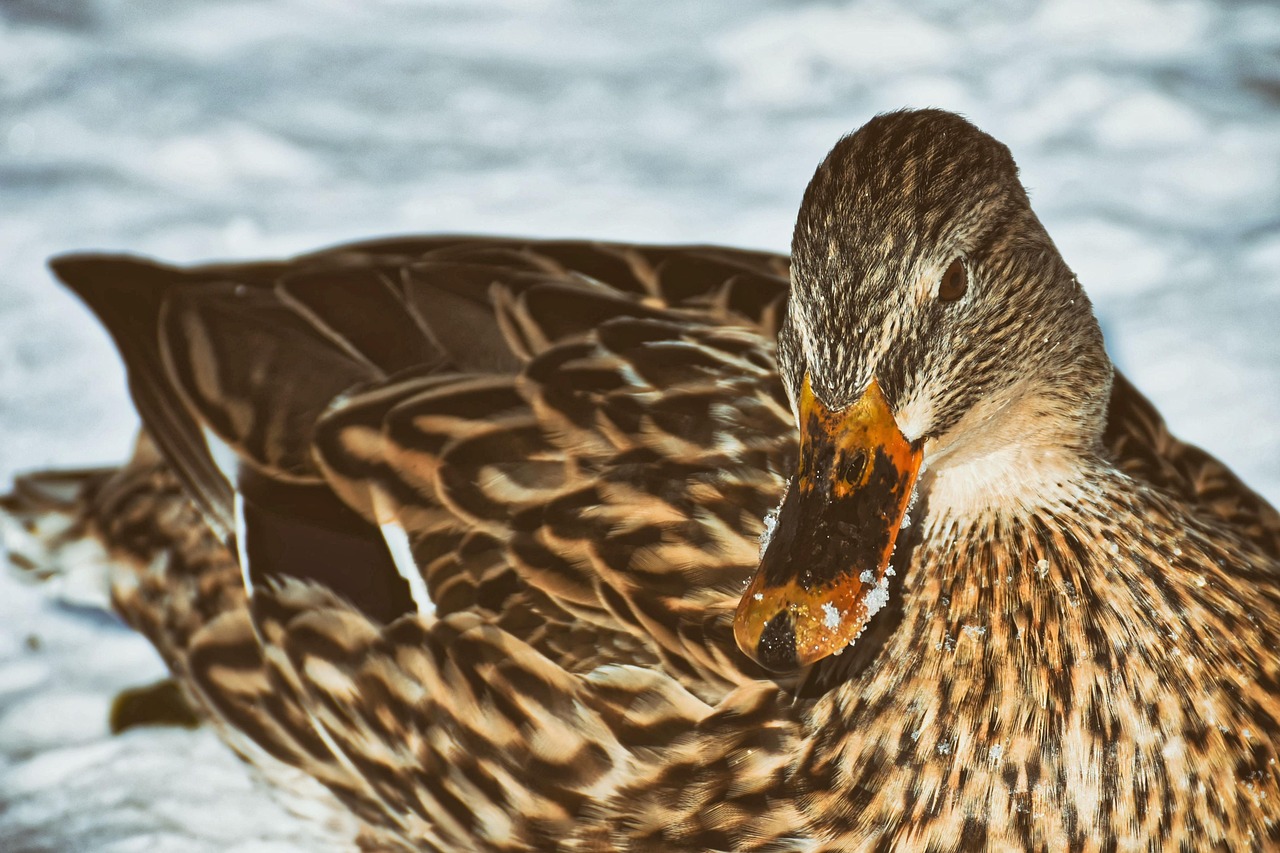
(831, 616)
(911, 504)
(867, 576)
(876, 598)
(770, 525)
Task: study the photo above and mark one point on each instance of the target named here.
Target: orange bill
(823, 574)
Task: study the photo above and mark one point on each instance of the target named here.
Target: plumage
(458, 526)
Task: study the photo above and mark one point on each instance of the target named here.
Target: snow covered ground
(1147, 130)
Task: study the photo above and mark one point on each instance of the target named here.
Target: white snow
(66, 784)
(831, 616)
(876, 598)
(770, 525)
(1146, 131)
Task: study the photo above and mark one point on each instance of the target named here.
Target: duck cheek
(823, 574)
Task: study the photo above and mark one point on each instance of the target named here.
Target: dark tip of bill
(777, 647)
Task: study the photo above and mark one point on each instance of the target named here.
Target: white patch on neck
(1025, 478)
(1004, 454)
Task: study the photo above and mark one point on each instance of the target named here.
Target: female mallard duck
(496, 505)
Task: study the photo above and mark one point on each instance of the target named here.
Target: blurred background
(1148, 133)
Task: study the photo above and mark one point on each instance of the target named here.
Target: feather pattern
(569, 448)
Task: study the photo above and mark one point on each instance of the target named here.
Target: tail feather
(45, 532)
(127, 294)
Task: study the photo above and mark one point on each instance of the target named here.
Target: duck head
(934, 339)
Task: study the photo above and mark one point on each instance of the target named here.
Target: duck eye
(955, 281)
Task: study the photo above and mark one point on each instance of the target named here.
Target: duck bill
(824, 572)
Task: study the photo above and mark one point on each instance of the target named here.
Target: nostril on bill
(777, 647)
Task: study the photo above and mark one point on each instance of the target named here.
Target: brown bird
(529, 545)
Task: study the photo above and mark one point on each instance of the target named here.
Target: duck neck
(1027, 450)
(1120, 577)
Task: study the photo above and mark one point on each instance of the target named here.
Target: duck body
(461, 527)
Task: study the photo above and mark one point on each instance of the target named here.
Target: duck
(519, 544)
